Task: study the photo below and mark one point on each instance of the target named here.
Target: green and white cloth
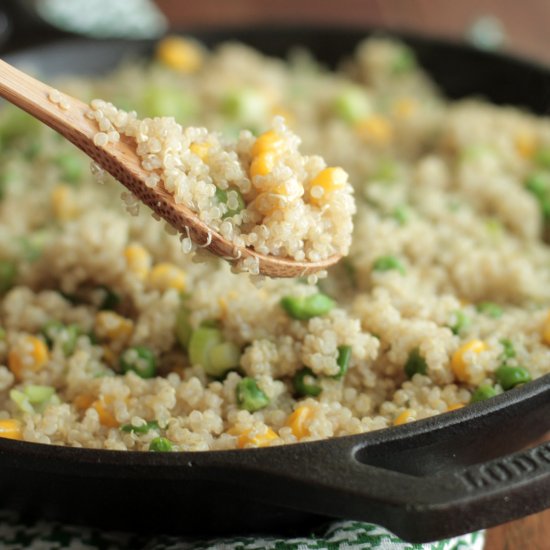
(341, 535)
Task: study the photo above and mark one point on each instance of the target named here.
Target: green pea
(183, 326)
(352, 104)
(416, 364)
(344, 356)
(221, 195)
(160, 445)
(509, 377)
(461, 323)
(71, 167)
(143, 429)
(404, 61)
(139, 359)
(388, 263)
(490, 309)
(250, 396)
(483, 392)
(305, 383)
(8, 273)
(307, 307)
(508, 350)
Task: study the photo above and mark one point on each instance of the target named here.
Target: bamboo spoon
(68, 118)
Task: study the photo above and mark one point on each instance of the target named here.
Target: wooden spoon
(68, 117)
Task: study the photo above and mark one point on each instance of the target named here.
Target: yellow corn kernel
(200, 149)
(268, 142)
(246, 439)
(455, 407)
(10, 429)
(263, 164)
(403, 108)
(106, 416)
(180, 54)
(83, 401)
(165, 276)
(325, 182)
(113, 327)
(63, 204)
(458, 361)
(29, 354)
(376, 129)
(546, 330)
(138, 260)
(526, 144)
(404, 417)
(299, 421)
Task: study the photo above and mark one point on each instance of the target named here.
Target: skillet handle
(424, 481)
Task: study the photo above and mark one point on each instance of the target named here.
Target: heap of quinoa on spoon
(256, 192)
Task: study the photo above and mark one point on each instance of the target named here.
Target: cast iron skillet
(424, 481)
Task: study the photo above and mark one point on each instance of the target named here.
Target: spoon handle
(68, 117)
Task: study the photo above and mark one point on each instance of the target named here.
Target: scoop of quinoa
(260, 193)
(111, 338)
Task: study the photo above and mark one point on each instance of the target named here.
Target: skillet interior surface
(424, 480)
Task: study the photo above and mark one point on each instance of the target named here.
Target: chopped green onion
(21, 401)
(404, 61)
(508, 350)
(165, 101)
(461, 323)
(143, 429)
(210, 323)
(33, 244)
(160, 445)
(351, 271)
(482, 393)
(352, 104)
(38, 394)
(542, 157)
(250, 396)
(222, 196)
(490, 309)
(416, 364)
(15, 123)
(183, 326)
(110, 300)
(71, 166)
(539, 185)
(245, 105)
(344, 356)
(386, 171)
(401, 215)
(201, 343)
(139, 359)
(306, 307)
(223, 357)
(2, 334)
(389, 263)
(305, 383)
(509, 377)
(67, 335)
(8, 273)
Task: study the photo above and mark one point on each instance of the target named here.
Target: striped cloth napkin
(341, 535)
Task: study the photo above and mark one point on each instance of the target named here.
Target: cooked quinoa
(113, 338)
(259, 192)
